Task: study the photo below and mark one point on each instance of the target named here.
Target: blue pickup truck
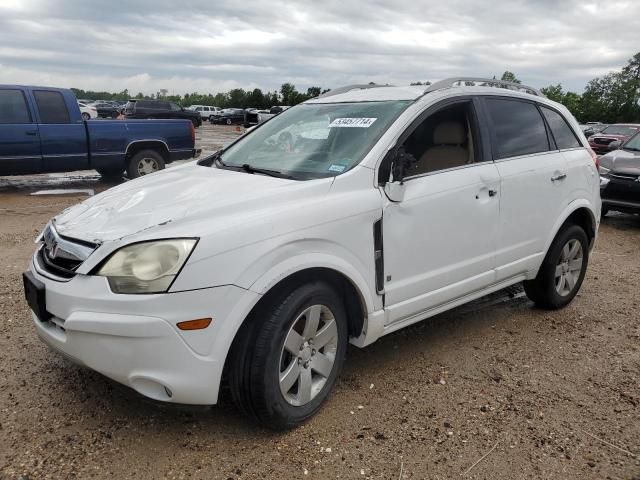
(42, 130)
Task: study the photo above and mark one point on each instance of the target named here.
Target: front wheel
(562, 271)
(85, 116)
(144, 163)
(286, 360)
(228, 121)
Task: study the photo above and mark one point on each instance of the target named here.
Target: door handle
(561, 176)
(493, 193)
(33, 133)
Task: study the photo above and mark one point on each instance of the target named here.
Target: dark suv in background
(159, 109)
(620, 177)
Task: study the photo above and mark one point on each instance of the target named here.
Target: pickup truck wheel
(285, 362)
(86, 116)
(195, 122)
(228, 121)
(144, 163)
(562, 271)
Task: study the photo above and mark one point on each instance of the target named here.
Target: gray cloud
(209, 46)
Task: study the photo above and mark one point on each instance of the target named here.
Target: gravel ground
(495, 390)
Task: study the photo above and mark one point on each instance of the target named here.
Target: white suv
(205, 111)
(340, 220)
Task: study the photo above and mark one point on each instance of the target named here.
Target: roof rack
(348, 88)
(482, 82)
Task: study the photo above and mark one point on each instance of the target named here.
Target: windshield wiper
(272, 173)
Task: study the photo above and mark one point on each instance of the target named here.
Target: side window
(51, 106)
(445, 139)
(174, 107)
(13, 107)
(562, 133)
(518, 128)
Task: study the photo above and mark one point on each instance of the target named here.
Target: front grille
(57, 266)
(61, 256)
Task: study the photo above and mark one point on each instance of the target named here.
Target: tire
(603, 212)
(195, 122)
(143, 163)
(110, 172)
(259, 357)
(228, 121)
(86, 117)
(114, 115)
(550, 291)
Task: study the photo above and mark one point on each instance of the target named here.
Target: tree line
(234, 98)
(613, 98)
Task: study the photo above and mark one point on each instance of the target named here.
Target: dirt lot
(526, 393)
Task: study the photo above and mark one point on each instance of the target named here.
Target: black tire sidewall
(275, 411)
(548, 269)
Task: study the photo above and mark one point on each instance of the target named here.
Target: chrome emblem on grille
(58, 247)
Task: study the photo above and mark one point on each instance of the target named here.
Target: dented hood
(171, 196)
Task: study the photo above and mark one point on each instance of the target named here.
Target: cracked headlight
(147, 267)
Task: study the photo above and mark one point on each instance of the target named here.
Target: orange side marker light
(197, 324)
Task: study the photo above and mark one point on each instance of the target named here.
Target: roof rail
(348, 88)
(482, 82)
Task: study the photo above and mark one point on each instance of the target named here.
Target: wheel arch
(579, 212)
(157, 145)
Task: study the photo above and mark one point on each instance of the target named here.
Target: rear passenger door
(532, 182)
(63, 136)
(19, 138)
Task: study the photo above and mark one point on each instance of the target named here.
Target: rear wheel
(86, 116)
(228, 121)
(562, 271)
(144, 163)
(286, 359)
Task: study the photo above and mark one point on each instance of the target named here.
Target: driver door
(440, 239)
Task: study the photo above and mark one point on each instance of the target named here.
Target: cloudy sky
(215, 45)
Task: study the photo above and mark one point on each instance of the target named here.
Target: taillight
(595, 158)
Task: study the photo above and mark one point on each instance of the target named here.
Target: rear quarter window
(560, 129)
(51, 106)
(13, 107)
(518, 128)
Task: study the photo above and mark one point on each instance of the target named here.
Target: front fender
(310, 260)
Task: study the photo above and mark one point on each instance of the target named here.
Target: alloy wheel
(569, 267)
(308, 355)
(147, 165)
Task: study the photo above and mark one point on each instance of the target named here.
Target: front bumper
(134, 340)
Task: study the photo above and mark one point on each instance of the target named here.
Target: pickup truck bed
(41, 130)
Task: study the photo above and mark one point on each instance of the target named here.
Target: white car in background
(206, 111)
(88, 112)
(343, 219)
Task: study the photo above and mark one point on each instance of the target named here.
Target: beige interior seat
(448, 149)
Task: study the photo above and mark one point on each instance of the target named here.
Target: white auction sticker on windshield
(352, 122)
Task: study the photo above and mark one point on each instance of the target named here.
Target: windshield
(633, 143)
(619, 130)
(314, 140)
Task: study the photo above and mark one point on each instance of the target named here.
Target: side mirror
(394, 191)
(615, 145)
(394, 188)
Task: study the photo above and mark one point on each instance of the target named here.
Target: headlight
(148, 267)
